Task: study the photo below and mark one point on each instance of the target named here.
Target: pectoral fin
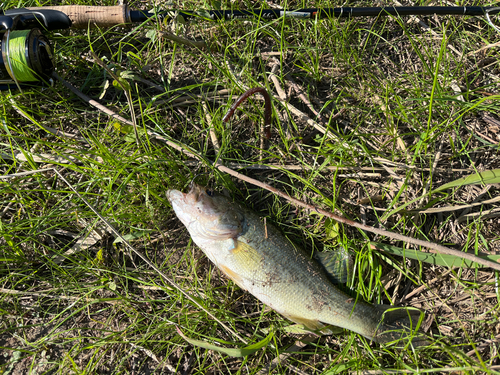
(245, 260)
(335, 263)
(246, 256)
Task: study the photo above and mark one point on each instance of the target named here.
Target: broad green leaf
(151, 34)
(203, 14)
(128, 130)
(124, 84)
(341, 367)
(331, 228)
(106, 86)
(130, 53)
(237, 352)
(486, 177)
(133, 236)
(180, 20)
(99, 257)
(122, 128)
(112, 285)
(127, 74)
(434, 258)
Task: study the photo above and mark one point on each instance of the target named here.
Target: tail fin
(400, 325)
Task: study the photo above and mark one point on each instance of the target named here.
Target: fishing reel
(26, 55)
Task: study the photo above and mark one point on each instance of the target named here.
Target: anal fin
(314, 325)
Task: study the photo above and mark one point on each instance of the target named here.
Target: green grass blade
(434, 258)
(486, 177)
(232, 352)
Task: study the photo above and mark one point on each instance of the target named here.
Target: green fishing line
(17, 54)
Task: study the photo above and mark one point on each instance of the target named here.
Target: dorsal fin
(335, 263)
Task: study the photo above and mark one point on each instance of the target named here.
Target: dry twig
(426, 244)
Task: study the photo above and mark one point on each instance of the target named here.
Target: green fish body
(262, 261)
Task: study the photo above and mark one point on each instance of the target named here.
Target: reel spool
(26, 57)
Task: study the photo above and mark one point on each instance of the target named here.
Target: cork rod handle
(82, 16)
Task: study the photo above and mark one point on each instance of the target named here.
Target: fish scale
(262, 261)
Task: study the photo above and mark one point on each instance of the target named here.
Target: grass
(98, 308)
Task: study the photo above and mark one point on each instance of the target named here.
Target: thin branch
(426, 244)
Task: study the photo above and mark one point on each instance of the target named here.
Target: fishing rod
(26, 54)
(320, 13)
(104, 16)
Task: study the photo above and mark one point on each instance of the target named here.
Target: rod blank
(104, 16)
(321, 13)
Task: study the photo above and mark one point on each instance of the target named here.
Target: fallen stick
(297, 202)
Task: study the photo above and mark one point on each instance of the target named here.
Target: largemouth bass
(262, 261)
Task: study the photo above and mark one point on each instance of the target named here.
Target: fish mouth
(210, 215)
(195, 194)
(175, 195)
(198, 201)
